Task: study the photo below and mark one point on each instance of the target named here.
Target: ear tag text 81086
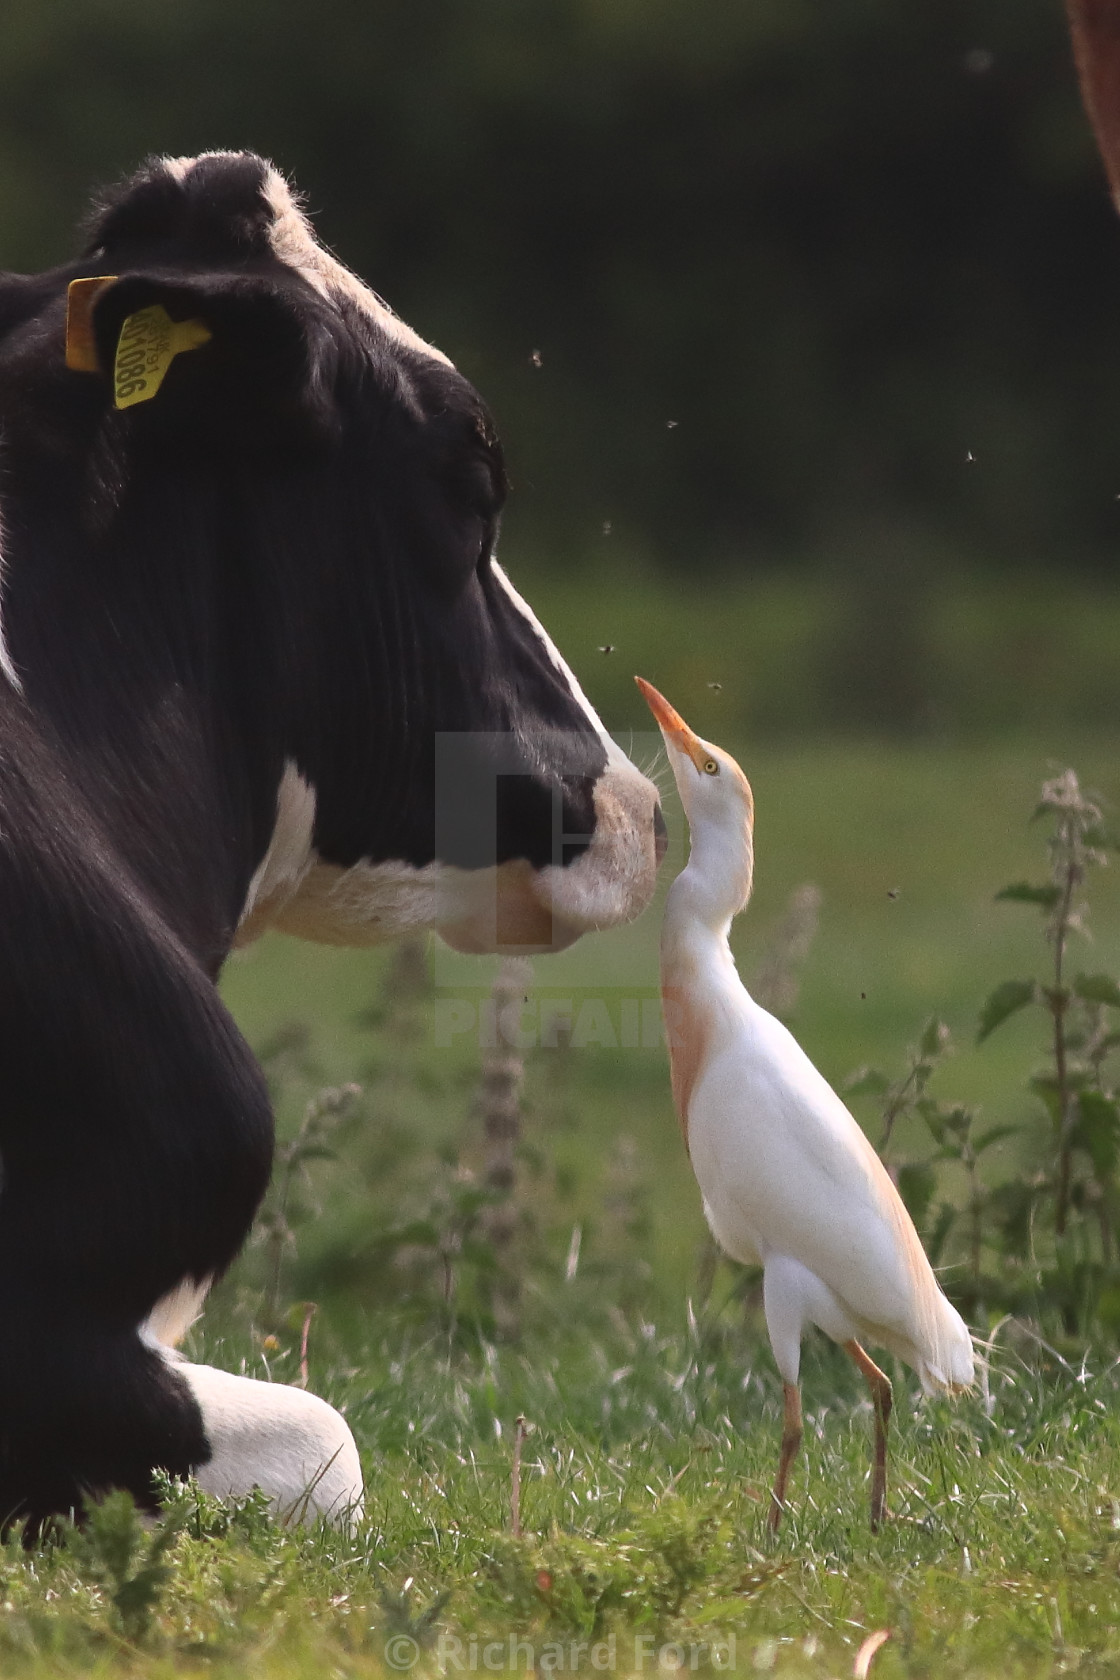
(149, 342)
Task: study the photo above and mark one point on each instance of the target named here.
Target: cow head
(302, 498)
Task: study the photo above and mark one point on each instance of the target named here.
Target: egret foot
(791, 1442)
(882, 1398)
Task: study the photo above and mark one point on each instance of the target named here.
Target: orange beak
(672, 725)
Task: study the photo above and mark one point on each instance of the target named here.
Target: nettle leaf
(1045, 1081)
(1012, 1207)
(917, 1182)
(938, 1236)
(994, 1135)
(1022, 892)
(958, 1120)
(1097, 1131)
(1003, 1002)
(931, 1112)
(1098, 988)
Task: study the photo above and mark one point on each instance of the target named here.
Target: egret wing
(784, 1168)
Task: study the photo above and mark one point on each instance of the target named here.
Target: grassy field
(644, 1549)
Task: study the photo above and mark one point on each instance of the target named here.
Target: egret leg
(791, 1441)
(882, 1398)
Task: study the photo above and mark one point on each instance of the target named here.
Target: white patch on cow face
(295, 244)
(290, 855)
(478, 910)
(613, 880)
(512, 907)
(365, 904)
(557, 659)
(293, 240)
(475, 910)
(292, 889)
(6, 666)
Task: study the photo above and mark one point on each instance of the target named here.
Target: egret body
(790, 1183)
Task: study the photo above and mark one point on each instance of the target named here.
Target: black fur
(285, 555)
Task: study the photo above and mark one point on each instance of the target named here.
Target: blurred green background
(800, 320)
(829, 279)
(799, 317)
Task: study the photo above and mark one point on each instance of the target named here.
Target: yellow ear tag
(149, 341)
(81, 349)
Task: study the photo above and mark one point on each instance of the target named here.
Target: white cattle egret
(790, 1183)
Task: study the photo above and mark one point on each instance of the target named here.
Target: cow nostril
(660, 834)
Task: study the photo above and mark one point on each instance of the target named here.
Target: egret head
(716, 795)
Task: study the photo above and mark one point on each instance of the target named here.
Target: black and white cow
(248, 521)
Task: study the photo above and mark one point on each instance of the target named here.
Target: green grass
(644, 1496)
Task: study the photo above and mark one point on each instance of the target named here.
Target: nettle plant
(1069, 1207)
(1039, 1240)
(946, 1225)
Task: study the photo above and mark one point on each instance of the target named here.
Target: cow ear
(241, 357)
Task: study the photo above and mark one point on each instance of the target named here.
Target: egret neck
(715, 884)
(701, 992)
(703, 901)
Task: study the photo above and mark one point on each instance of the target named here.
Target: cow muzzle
(516, 907)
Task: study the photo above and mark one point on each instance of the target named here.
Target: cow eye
(489, 542)
(477, 487)
(466, 459)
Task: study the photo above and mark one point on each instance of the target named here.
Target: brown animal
(1096, 49)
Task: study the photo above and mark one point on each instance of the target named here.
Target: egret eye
(711, 768)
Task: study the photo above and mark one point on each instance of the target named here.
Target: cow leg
(135, 1138)
(293, 1446)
